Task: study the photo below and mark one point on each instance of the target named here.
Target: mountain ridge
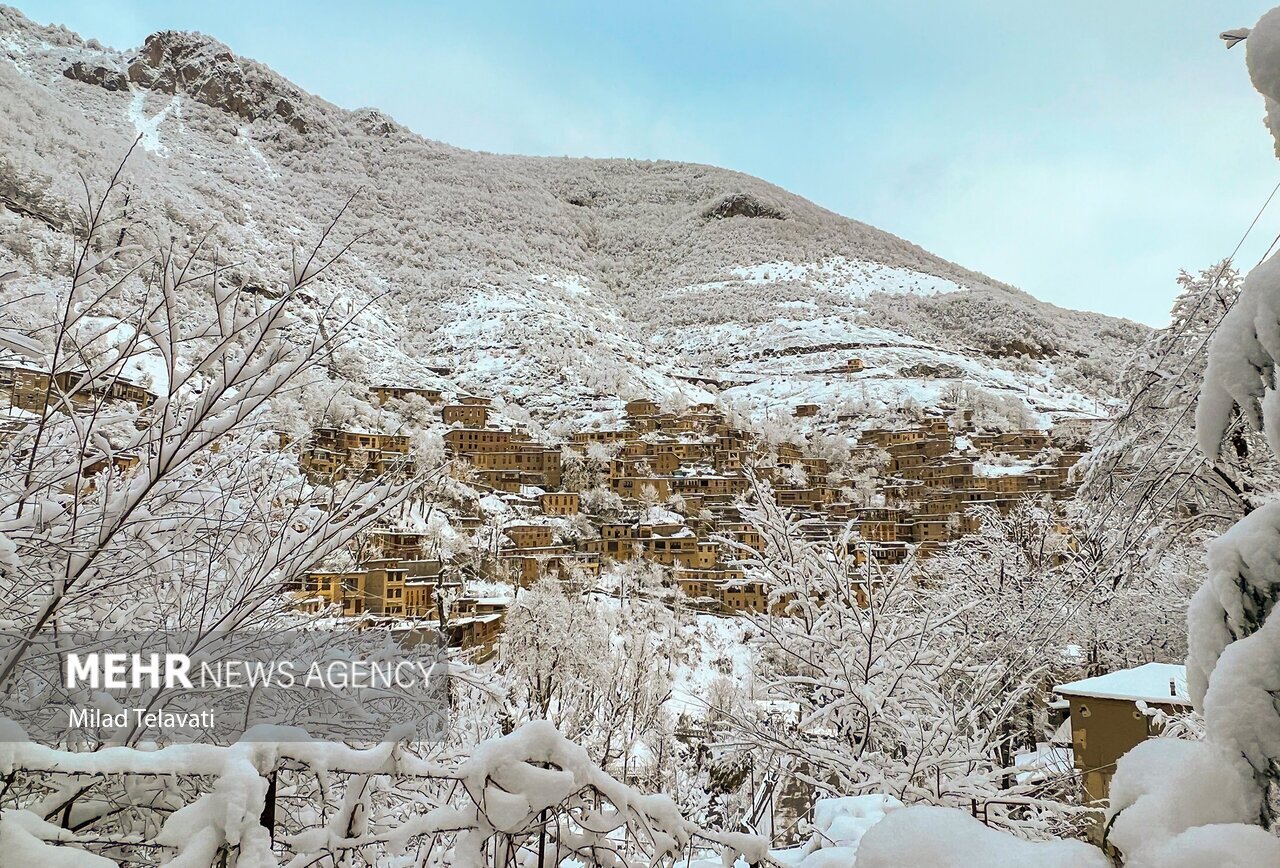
(516, 275)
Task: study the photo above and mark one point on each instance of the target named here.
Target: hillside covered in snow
(562, 283)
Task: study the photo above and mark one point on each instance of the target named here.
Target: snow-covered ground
(775, 365)
(718, 651)
(852, 278)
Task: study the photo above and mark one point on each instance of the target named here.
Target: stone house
(925, 530)
(684, 549)
(118, 464)
(525, 566)
(319, 590)
(617, 541)
(641, 407)
(333, 453)
(466, 415)
(28, 389)
(420, 598)
(727, 461)
(506, 481)
(582, 439)
(745, 534)
(739, 595)
(634, 487)
(474, 441)
(384, 587)
(887, 552)
(698, 585)
(559, 502)
(886, 437)
(540, 464)
(528, 536)
(384, 393)
(710, 485)
(477, 634)
(789, 453)
(1106, 720)
(403, 545)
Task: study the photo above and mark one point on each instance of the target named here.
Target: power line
(1226, 263)
(1103, 567)
(1174, 341)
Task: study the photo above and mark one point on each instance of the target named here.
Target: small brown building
(1106, 721)
(468, 415)
(384, 393)
(641, 407)
(560, 502)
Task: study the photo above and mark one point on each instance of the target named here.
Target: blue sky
(1083, 151)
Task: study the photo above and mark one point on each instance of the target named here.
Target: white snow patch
(242, 136)
(948, 838)
(853, 278)
(149, 127)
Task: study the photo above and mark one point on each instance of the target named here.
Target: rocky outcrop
(193, 64)
(374, 123)
(1016, 347)
(741, 205)
(926, 371)
(101, 76)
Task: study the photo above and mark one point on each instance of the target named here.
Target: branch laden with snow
(532, 796)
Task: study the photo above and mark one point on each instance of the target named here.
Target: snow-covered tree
(1145, 487)
(1011, 583)
(595, 672)
(894, 692)
(181, 510)
(1233, 667)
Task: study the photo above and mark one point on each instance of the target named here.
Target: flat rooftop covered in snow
(1147, 683)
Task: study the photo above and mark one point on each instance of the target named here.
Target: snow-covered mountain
(558, 282)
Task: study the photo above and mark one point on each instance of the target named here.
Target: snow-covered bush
(895, 684)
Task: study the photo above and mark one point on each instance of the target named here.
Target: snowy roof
(992, 470)
(487, 618)
(1147, 683)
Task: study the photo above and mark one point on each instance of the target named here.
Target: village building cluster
(680, 477)
(32, 390)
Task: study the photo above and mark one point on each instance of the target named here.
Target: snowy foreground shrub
(839, 826)
(532, 797)
(947, 838)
